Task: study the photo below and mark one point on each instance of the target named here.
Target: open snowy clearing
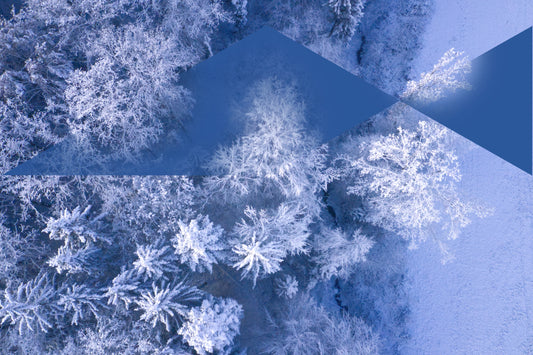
(482, 302)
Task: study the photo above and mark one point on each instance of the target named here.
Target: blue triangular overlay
(335, 102)
(497, 112)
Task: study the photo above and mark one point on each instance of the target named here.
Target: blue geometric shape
(335, 102)
(497, 112)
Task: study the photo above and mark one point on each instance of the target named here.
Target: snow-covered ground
(472, 26)
(482, 302)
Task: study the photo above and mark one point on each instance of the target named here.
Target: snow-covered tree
(276, 155)
(287, 286)
(447, 76)
(258, 258)
(73, 227)
(306, 22)
(166, 303)
(303, 327)
(107, 337)
(20, 133)
(78, 233)
(13, 249)
(112, 335)
(34, 64)
(73, 261)
(154, 261)
(407, 181)
(211, 327)
(338, 253)
(81, 301)
(287, 224)
(265, 238)
(351, 335)
(241, 12)
(199, 243)
(123, 289)
(347, 14)
(192, 24)
(70, 66)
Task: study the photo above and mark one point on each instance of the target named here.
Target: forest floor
(482, 302)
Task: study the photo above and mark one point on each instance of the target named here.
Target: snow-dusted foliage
(46, 43)
(121, 101)
(303, 327)
(311, 23)
(19, 133)
(265, 238)
(241, 12)
(199, 243)
(192, 23)
(347, 14)
(97, 264)
(390, 34)
(352, 336)
(107, 337)
(337, 253)
(111, 335)
(448, 75)
(149, 207)
(12, 250)
(211, 327)
(35, 62)
(407, 181)
(104, 71)
(257, 258)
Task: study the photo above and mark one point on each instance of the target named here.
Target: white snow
(482, 302)
(472, 26)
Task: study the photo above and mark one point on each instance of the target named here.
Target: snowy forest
(289, 246)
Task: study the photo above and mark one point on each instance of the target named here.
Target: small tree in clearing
(448, 75)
